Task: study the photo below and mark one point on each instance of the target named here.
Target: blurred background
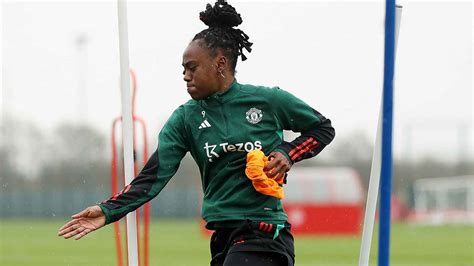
(60, 94)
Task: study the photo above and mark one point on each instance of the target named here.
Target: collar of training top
(221, 97)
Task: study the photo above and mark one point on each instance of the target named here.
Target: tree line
(77, 156)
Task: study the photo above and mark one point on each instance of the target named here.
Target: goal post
(444, 200)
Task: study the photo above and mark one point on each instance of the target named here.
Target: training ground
(180, 243)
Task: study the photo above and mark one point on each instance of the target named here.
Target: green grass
(179, 242)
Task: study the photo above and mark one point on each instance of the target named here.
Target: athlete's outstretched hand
(82, 223)
(278, 166)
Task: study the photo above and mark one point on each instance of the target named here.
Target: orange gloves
(256, 161)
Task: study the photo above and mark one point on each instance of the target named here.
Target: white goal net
(445, 200)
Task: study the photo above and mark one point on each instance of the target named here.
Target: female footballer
(224, 122)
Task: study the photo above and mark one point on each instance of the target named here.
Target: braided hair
(221, 34)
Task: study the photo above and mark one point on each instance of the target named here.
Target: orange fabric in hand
(256, 161)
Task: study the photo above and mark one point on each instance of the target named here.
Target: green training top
(219, 132)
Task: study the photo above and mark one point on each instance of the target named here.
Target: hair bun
(221, 15)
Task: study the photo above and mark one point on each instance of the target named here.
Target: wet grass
(180, 242)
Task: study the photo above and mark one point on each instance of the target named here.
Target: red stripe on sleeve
(300, 146)
(124, 190)
(310, 148)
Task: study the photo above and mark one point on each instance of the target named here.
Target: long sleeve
(162, 165)
(295, 115)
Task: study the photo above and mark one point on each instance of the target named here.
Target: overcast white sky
(328, 53)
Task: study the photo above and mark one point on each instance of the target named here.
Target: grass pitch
(180, 242)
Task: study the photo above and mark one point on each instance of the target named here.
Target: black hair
(221, 34)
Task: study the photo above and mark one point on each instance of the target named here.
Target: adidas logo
(204, 124)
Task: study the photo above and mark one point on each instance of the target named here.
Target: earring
(220, 72)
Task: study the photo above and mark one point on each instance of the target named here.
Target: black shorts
(253, 241)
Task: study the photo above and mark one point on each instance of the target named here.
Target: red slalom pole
(146, 211)
(135, 166)
(114, 188)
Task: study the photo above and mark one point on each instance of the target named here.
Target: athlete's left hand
(277, 167)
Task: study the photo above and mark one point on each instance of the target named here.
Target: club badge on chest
(254, 115)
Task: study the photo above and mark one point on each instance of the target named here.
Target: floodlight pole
(127, 128)
(382, 156)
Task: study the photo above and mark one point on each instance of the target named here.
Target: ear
(221, 62)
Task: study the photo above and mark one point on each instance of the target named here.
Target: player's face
(200, 71)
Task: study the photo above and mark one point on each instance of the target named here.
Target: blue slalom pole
(386, 168)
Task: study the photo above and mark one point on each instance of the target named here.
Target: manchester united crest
(254, 115)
